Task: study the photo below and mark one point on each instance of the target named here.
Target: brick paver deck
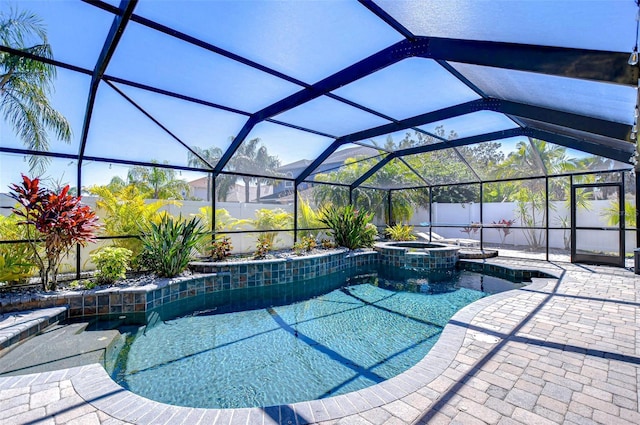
(557, 351)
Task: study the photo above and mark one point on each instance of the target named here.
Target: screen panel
(611, 102)
(306, 40)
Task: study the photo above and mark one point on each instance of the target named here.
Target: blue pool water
(350, 338)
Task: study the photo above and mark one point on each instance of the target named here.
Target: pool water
(352, 337)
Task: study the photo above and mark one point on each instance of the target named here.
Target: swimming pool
(366, 330)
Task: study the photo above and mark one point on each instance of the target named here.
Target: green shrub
(307, 217)
(221, 248)
(263, 246)
(307, 244)
(400, 232)
(223, 221)
(112, 263)
(350, 228)
(83, 284)
(16, 266)
(167, 246)
(369, 236)
(274, 219)
(124, 211)
(327, 244)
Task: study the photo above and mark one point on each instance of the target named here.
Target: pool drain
(485, 338)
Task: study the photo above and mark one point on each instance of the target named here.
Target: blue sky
(308, 40)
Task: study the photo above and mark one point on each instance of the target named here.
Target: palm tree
(249, 157)
(211, 155)
(269, 164)
(25, 85)
(157, 182)
(530, 194)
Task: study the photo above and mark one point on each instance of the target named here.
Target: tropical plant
(308, 219)
(15, 263)
(612, 213)
(352, 169)
(264, 245)
(328, 244)
(124, 212)
(306, 244)
(59, 219)
(504, 228)
(223, 220)
(82, 284)
(350, 228)
(400, 232)
(271, 219)
(158, 182)
(15, 258)
(221, 248)
(112, 263)
(529, 195)
(26, 84)
(532, 212)
(167, 246)
(471, 229)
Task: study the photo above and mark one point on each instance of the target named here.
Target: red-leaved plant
(503, 227)
(57, 219)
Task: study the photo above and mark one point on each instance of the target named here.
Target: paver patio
(557, 351)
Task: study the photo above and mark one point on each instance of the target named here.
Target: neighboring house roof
(198, 183)
(303, 163)
(334, 160)
(339, 157)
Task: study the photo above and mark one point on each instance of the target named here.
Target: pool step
(59, 347)
(20, 325)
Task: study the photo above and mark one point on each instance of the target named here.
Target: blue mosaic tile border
(501, 271)
(136, 303)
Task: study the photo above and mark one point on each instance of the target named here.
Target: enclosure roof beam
(352, 73)
(372, 170)
(465, 141)
(196, 42)
(385, 57)
(318, 161)
(50, 61)
(235, 144)
(578, 122)
(388, 19)
(586, 64)
(159, 124)
(418, 120)
(622, 151)
(118, 25)
(593, 125)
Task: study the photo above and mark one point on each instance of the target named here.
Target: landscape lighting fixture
(633, 59)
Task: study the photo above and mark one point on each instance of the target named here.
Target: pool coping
(97, 388)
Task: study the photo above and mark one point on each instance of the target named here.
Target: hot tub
(419, 256)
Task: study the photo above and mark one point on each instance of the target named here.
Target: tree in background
(251, 157)
(212, 156)
(25, 85)
(158, 182)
